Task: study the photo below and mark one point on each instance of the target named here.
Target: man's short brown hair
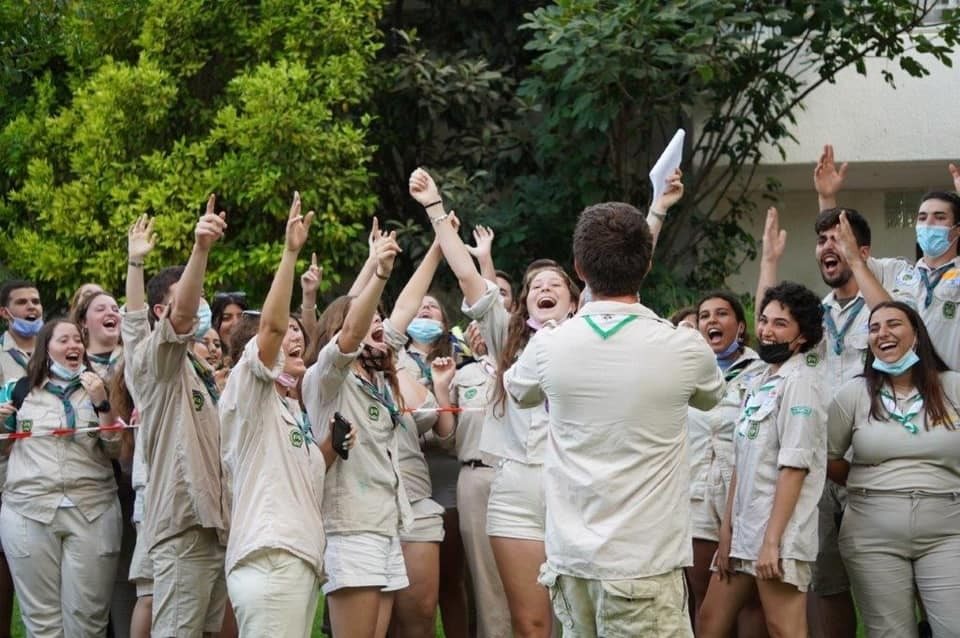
(612, 248)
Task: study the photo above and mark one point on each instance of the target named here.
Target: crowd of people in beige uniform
(570, 463)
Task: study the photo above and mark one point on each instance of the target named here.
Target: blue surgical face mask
(726, 358)
(933, 240)
(64, 373)
(423, 330)
(26, 327)
(204, 320)
(898, 367)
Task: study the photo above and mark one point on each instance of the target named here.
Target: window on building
(900, 208)
(940, 7)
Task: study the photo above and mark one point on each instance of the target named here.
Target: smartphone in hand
(341, 428)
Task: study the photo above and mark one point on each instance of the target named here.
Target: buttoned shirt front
(618, 380)
(940, 315)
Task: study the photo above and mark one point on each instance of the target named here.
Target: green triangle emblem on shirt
(608, 325)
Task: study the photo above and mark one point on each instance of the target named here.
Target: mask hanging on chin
(26, 327)
(898, 367)
(775, 353)
(726, 358)
(64, 373)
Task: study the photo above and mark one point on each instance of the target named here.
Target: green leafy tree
(122, 108)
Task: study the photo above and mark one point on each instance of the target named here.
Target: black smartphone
(341, 428)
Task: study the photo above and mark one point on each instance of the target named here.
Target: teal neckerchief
(831, 326)
(930, 280)
(205, 375)
(383, 398)
(906, 420)
(63, 393)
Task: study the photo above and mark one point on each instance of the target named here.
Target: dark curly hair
(804, 307)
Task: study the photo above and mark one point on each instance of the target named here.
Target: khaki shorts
(364, 559)
(189, 587)
(795, 572)
(516, 508)
(427, 523)
(708, 505)
(652, 606)
(829, 573)
(141, 567)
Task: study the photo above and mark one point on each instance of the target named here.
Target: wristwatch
(102, 408)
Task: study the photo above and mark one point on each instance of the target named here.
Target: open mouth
(296, 352)
(110, 322)
(714, 335)
(74, 357)
(830, 262)
(887, 346)
(546, 303)
(377, 335)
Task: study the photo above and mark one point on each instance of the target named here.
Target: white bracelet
(660, 216)
(439, 218)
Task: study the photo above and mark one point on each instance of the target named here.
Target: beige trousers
(891, 541)
(189, 586)
(473, 492)
(274, 594)
(587, 608)
(63, 572)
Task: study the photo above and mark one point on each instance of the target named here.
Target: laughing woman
(60, 520)
(769, 531)
(98, 316)
(364, 499)
(274, 560)
(902, 522)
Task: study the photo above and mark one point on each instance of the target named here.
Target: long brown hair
(38, 368)
(329, 324)
(925, 375)
(78, 314)
(519, 332)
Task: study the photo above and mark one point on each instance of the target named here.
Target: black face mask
(374, 359)
(775, 352)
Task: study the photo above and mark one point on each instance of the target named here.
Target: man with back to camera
(618, 380)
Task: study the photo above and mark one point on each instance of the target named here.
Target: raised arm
(370, 265)
(275, 316)
(955, 174)
(856, 256)
(658, 210)
(412, 294)
(309, 285)
(186, 297)
(424, 190)
(364, 306)
(828, 179)
(442, 371)
(140, 241)
(773, 244)
(482, 251)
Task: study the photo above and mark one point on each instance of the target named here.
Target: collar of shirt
(921, 263)
(7, 342)
(617, 308)
(831, 301)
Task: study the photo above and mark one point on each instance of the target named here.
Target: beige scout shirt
(44, 470)
(134, 328)
(179, 437)
(888, 457)
(783, 424)
(619, 380)
(106, 367)
(473, 386)
(711, 432)
(413, 464)
(274, 469)
(850, 329)
(11, 368)
(366, 493)
(510, 432)
(940, 316)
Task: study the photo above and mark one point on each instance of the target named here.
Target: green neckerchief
(206, 375)
(421, 362)
(303, 423)
(63, 393)
(383, 398)
(831, 326)
(906, 420)
(734, 371)
(606, 333)
(930, 279)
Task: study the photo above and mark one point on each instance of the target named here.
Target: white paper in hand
(669, 161)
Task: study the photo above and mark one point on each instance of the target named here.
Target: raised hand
(955, 173)
(442, 370)
(311, 277)
(211, 226)
(827, 178)
(846, 240)
(423, 188)
(93, 384)
(483, 238)
(387, 250)
(298, 226)
(774, 239)
(372, 238)
(672, 194)
(140, 238)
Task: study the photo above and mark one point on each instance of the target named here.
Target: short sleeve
(801, 422)
(395, 339)
(492, 318)
(166, 349)
(709, 385)
(841, 416)
(522, 380)
(887, 269)
(323, 379)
